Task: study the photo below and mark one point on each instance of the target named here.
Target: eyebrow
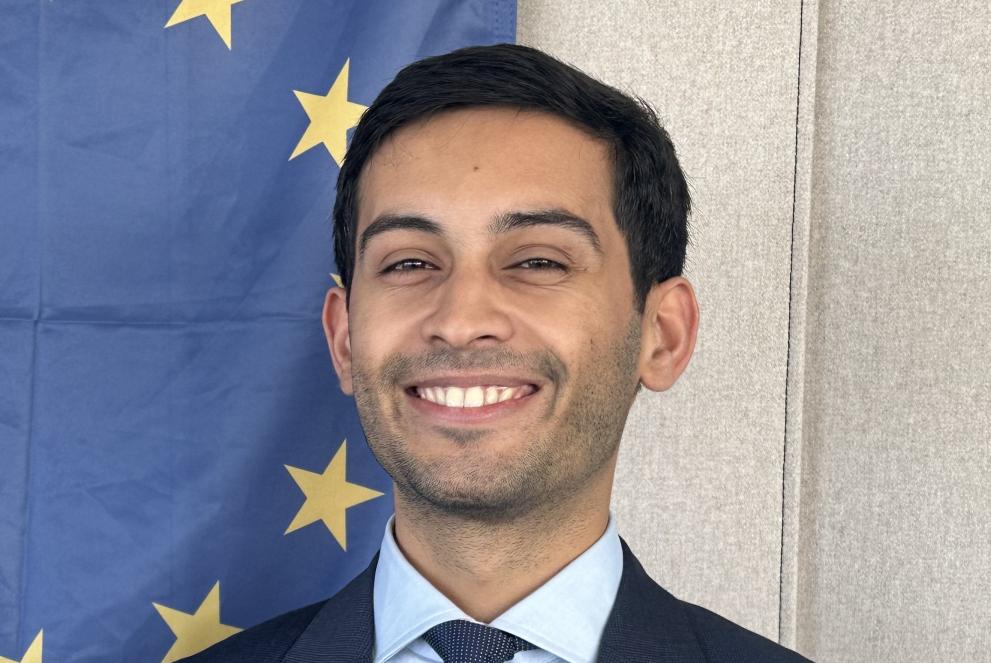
(388, 222)
(503, 224)
(549, 217)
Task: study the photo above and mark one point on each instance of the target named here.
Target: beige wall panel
(699, 488)
(896, 481)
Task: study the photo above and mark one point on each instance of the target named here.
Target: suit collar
(647, 624)
(343, 630)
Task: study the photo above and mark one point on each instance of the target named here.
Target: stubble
(573, 439)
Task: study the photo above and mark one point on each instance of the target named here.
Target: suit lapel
(647, 624)
(343, 630)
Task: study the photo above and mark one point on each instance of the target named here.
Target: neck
(484, 566)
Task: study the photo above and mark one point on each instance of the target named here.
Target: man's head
(494, 337)
(650, 198)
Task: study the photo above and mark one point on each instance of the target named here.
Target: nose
(467, 311)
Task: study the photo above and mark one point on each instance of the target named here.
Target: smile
(471, 397)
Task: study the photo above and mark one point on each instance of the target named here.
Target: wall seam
(791, 462)
(791, 283)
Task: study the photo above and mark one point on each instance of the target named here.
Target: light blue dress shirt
(564, 617)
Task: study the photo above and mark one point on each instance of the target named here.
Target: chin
(468, 493)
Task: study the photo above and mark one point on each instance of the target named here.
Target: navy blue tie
(461, 641)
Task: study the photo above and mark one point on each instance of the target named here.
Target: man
(510, 234)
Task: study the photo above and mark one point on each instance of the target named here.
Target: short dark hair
(650, 196)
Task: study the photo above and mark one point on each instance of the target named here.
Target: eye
(407, 265)
(541, 264)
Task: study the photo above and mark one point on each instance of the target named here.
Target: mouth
(471, 397)
(465, 403)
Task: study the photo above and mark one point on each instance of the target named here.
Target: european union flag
(176, 459)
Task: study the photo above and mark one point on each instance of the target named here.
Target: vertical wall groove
(791, 281)
(797, 311)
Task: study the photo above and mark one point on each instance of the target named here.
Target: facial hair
(573, 439)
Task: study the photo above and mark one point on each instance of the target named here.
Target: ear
(668, 329)
(337, 331)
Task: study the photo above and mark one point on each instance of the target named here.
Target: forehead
(485, 161)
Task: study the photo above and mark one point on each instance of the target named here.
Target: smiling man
(511, 235)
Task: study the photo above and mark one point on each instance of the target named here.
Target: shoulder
(265, 643)
(722, 640)
(336, 630)
(649, 624)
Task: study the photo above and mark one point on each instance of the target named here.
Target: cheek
(376, 330)
(579, 329)
(565, 310)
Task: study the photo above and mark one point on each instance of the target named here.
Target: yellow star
(195, 632)
(329, 496)
(218, 12)
(330, 116)
(32, 655)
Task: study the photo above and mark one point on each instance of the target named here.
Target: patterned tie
(461, 641)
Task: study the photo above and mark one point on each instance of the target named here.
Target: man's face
(493, 338)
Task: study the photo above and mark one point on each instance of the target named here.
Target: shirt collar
(565, 616)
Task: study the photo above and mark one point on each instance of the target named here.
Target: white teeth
(491, 395)
(454, 397)
(472, 396)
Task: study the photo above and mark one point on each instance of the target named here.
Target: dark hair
(650, 196)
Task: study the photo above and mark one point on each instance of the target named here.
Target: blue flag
(177, 461)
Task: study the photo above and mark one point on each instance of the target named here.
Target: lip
(468, 415)
(473, 380)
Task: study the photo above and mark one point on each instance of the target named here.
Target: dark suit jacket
(646, 625)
